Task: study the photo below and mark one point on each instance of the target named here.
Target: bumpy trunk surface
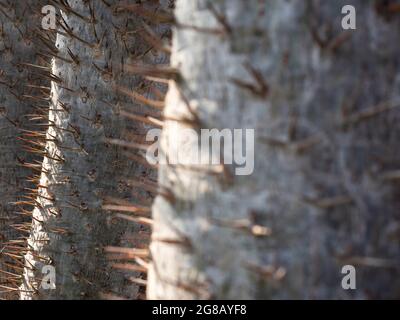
(324, 192)
(95, 41)
(19, 96)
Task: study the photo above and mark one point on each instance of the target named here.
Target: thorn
(260, 88)
(329, 203)
(220, 18)
(369, 113)
(126, 144)
(139, 220)
(129, 267)
(139, 281)
(142, 99)
(156, 17)
(158, 71)
(132, 208)
(268, 271)
(144, 119)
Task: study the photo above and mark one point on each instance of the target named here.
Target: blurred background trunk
(324, 103)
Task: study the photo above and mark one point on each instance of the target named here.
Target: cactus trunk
(95, 42)
(22, 94)
(324, 104)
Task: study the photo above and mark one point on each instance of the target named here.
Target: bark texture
(19, 96)
(95, 42)
(324, 104)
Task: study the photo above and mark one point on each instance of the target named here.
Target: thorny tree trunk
(70, 228)
(324, 192)
(18, 83)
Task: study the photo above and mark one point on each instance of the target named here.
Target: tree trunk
(21, 95)
(96, 40)
(324, 192)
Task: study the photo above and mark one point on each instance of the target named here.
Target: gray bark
(18, 92)
(324, 192)
(71, 228)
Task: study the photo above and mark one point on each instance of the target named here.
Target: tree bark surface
(71, 229)
(324, 104)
